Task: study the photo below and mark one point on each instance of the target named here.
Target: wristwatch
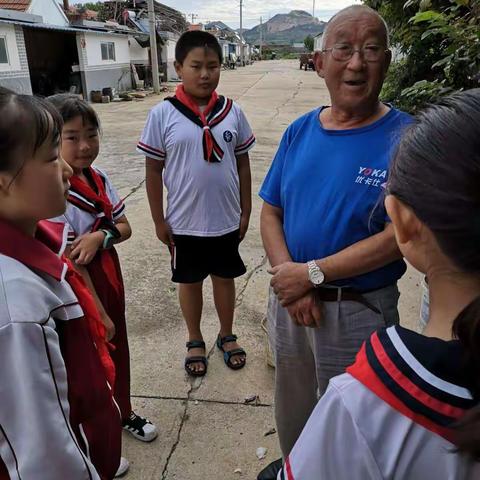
(108, 240)
(315, 274)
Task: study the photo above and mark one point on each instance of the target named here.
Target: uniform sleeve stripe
(119, 205)
(288, 469)
(149, 154)
(246, 148)
(148, 147)
(118, 213)
(245, 143)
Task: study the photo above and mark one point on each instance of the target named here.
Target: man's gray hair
(353, 9)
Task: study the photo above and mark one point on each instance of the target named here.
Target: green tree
(97, 6)
(309, 43)
(438, 42)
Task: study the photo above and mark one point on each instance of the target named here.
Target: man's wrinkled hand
(306, 311)
(290, 281)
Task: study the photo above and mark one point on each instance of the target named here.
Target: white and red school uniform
(58, 419)
(89, 209)
(199, 149)
(390, 415)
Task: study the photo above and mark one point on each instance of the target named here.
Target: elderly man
(335, 263)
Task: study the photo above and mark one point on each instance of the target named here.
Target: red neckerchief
(34, 252)
(45, 253)
(188, 101)
(100, 199)
(95, 324)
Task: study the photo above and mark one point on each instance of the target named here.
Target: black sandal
(196, 359)
(227, 355)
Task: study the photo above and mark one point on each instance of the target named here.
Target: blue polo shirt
(330, 185)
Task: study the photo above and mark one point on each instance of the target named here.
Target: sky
(228, 11)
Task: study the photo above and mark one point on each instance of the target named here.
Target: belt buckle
(339, 294)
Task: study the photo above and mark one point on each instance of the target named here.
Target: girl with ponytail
(409, 407)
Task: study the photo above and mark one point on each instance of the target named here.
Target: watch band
(108, 236)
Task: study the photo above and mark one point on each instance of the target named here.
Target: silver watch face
(316, 275)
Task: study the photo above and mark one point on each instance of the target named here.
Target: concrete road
(206, 430)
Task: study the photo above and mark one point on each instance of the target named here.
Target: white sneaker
(123, 467)
(141, 428)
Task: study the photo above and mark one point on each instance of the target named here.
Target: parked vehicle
(306, 61)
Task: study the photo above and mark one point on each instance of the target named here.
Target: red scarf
(188, 101)
(95, 324)
(100, 199)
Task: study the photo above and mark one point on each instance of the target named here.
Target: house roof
(19, 5)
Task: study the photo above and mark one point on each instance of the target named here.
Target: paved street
(206, 430)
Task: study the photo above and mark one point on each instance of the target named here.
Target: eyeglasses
(344, 52)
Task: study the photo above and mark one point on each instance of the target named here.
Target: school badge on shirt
(228, 136)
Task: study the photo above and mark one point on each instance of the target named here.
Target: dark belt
(343, 294)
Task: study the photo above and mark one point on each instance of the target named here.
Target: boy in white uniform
(201, 140)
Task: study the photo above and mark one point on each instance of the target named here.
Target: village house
(169, 23)
(230, 41)
(45, 51)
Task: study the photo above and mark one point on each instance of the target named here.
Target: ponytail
(467, 329)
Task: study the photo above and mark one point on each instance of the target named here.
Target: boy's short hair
(194, 39)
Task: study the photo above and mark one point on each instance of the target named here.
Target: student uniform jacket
(56, 408)
(390, 416)
(86, 214)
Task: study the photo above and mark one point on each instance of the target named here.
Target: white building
(168, 54)
(40, 52)
(317, 42)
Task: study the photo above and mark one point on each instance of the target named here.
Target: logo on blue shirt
(372, 176)
(228, 136)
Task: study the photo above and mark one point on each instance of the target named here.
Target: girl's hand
(109, 326)
(164, 233)
(84, 248)
(244, 221)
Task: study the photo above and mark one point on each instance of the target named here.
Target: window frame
(5, 43)
(109, 49)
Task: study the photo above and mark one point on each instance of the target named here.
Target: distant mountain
(218, 25)
(287, 28)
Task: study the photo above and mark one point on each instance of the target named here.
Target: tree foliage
(309, 43)
(438, 45)
(97, 6)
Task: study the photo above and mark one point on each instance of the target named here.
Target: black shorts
(195, 258)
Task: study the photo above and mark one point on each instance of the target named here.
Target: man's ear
(406, 223)
(318, 61)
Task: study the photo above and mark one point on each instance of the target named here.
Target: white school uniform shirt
(36, 438)
(386, 420)
(203, 198)
(79, 220)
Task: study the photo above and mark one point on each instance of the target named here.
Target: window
(108, 51)
(3, 50)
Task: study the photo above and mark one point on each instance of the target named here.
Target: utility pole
(261, 37)
(313, 10)
(153, 46)
(194, 17)
(242, 53)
